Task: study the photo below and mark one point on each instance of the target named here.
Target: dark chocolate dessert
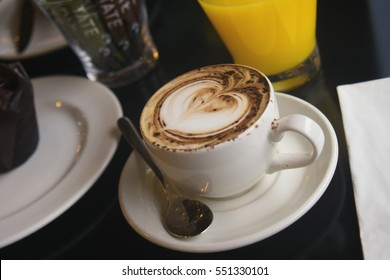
(18, 123)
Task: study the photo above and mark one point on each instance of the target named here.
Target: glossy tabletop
(353, 38)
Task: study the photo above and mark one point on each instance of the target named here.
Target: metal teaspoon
(183, 217)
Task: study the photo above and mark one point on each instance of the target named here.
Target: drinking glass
(276, 37)
(110, 37)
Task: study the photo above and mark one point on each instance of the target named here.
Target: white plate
(45, 36)
(76, 143)
(246, 219)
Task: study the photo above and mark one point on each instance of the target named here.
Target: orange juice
(270, 35)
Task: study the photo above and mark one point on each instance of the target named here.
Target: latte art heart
(204, 107)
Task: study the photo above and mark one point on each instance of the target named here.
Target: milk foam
(204, 107)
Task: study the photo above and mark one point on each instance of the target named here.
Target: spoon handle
(136, 142)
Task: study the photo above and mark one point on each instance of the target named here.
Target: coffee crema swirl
(205, 107)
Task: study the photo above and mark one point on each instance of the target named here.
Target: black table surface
(354, 41)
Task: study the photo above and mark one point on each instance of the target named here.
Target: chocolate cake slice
(19, 134)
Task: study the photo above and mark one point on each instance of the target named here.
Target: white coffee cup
(213, 131)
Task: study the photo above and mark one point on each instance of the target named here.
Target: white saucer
(76, 143)
(45, 36)
(246, 219)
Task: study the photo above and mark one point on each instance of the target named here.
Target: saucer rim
(194, 246)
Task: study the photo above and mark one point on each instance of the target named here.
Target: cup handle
(304, 126)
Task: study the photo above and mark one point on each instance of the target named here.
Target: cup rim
(271, 99)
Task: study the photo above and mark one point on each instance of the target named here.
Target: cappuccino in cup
(213, 131)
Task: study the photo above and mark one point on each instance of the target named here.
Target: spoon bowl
(183, 217)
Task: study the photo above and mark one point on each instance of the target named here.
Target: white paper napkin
(365, 111)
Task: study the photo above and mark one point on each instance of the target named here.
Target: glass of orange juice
(276, 37)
